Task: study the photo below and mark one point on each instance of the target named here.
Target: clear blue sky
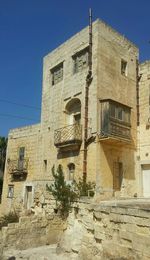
(29, 29)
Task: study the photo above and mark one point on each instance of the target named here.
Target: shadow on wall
(120, 162)
(67, 154)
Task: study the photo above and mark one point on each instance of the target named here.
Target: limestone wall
(112, 48)
(108, 49)
(31, 232)
(55, 98)
(110, 230)
(28, 137)
(143, 156)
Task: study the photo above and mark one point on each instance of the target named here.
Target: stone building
(58, 139)
(143, 148)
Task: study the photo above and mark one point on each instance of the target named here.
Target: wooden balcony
(115, 122)
(68, 137)
(18, 169)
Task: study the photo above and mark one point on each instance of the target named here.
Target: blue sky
(29, 29)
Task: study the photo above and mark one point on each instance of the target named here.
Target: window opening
(80, 60)
(124, 67)
(57, 74)
(120, 112)
(71, 169)
(28, 197)
(21, 153)
(45, 165)
(21, 158)
(77, 118)
(10, 191)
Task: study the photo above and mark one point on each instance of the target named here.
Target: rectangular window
(21, 158)
(80, 60)
(45, 165)
(21, 153)
(57, 74)
(112, 110)
(126, 116)
(124, 67)
(10, 191)
(120, 112)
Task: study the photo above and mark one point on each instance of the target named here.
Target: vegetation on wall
(11, 217)
(65, 194)
(86, 188)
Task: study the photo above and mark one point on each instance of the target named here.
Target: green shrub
(63, 193)
(11, 217)
(86, 188)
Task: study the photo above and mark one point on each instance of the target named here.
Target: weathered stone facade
(110, 230)
(30, 232)
(58, 139)
(143, 155)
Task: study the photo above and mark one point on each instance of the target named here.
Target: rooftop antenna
(88, 82)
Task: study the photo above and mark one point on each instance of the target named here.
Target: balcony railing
(116, 129)
(18, 168)
(69, 135)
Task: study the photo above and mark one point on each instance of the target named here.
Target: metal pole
(137, 92)
(88, 82)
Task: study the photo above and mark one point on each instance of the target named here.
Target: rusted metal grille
(18, 166)
(68, 135)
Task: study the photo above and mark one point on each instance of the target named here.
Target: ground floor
(38, 253)
(113, 229)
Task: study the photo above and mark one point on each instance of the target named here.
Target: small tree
(63, 193)
(86, 188)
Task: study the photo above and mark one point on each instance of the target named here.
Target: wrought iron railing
(71, 134)
(18, 166)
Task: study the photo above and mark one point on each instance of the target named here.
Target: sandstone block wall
(112, 230)
(143, 154)
(31, 232)
(109, 48)
(27, 137)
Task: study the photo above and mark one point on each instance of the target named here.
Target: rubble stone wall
(108, 231)
(31, 232)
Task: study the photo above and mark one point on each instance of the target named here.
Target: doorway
(28, 197)
(117, 175)
(146, 180)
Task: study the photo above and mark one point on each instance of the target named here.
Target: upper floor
(114, 73)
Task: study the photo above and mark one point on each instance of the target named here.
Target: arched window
(73, 111)
(71, 171)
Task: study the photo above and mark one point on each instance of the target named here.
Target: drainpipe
(137, 92)
(88, 82)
